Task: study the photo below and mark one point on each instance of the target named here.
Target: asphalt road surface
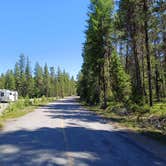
(63, 133)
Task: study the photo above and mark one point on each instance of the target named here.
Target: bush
(50, 99)
(15, 106)
(138, 109)
(146, 108)
(114, 106)
(27, 101)
(1, 125)
(159, 109)
(43, 99)
(133, 108)
(35, 101)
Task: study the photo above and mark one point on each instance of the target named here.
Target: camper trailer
(8, 95)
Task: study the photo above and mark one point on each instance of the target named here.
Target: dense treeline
(124, 55)
(43, 81)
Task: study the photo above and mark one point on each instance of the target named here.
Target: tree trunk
(157, 77)
(143, 75)
(148, 53)
(164, 51)
(138, 88)
(127, 57)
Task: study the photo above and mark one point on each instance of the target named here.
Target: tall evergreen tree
(17, 77)
(29, 84)
(9, 80)
(2, 81)
(38, 80)
(46, 80)
(120, 82)
(97, 52)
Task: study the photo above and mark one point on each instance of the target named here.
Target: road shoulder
(134, 136)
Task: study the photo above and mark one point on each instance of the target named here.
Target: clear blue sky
(48, 31)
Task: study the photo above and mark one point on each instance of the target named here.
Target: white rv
(8, 95)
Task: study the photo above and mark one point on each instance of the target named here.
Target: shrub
(133, 108)
(159, 109)
(138, 109)
(43, 99)
(15, 106)
(35, 101)
(115, 106)
(50, 99)
(27, 101)
(146, 108)
(1, 125)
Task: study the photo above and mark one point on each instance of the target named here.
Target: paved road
(63, 133)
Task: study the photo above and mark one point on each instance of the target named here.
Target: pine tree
(145, 9)
(2, 81)
(38, 80)
(60, 83)
(53, 91)
(97, 53)
(22, 78)
(120, 82)
(29, 85)
(9, 80)
(46, 81)
(130, 27)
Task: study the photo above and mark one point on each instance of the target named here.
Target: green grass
(131, 121)
(159, 109)
(17, 113)
(22, 107)
(1, 125)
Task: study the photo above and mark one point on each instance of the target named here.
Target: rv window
(2, 94)
(10, 93)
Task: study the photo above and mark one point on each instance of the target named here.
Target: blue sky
(48, 31)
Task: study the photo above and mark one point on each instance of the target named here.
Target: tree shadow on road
(50, 146)
(72, 111)
(74, 144)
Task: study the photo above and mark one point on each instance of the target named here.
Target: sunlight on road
(65, 134)
(9, 149)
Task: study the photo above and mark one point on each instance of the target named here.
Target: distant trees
(124, 53)
(44, 81)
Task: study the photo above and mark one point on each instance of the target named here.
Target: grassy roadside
(22, 107)
(131, 121)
